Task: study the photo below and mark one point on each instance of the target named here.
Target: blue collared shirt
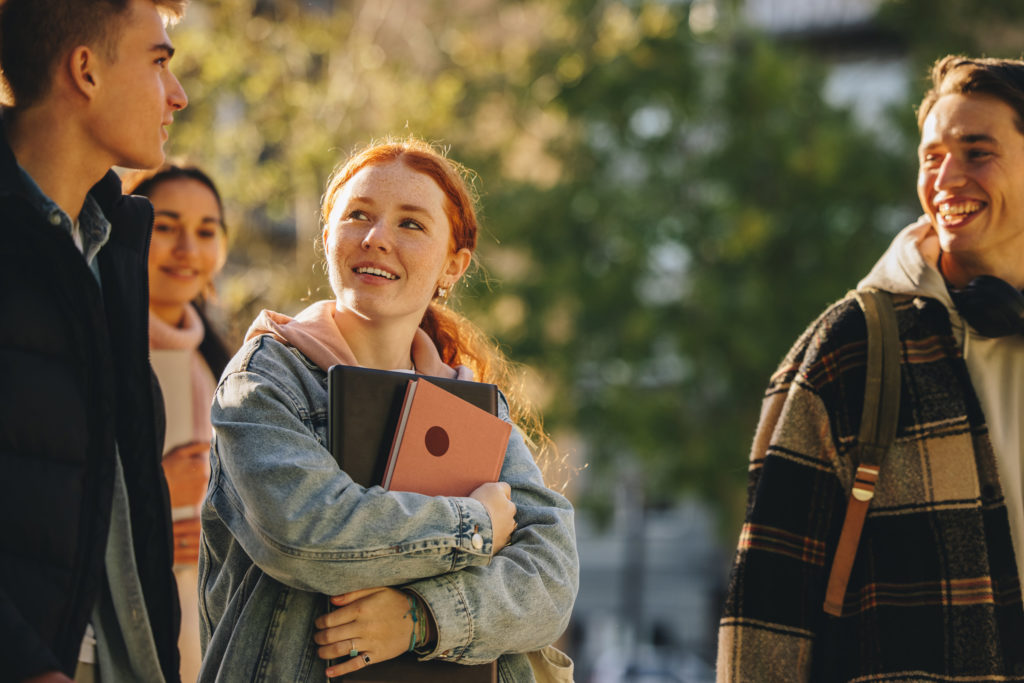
(92, 231)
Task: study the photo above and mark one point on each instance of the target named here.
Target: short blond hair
(172, 10)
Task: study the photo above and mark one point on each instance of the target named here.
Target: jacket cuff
(474, 538)
(452, 617)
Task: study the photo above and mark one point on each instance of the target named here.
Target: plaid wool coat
(934, 593)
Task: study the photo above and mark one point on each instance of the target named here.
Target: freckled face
(188, 245)
(388, 243)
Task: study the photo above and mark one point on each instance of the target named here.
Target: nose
(377, 237)
(950, 173)
(184, 244)
(176, 96)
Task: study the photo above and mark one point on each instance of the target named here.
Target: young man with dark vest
(86, 587)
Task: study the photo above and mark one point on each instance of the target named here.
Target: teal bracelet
(414, 613)
(421, 613)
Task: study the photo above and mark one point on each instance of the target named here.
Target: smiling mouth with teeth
(376, 271)
(958, 212)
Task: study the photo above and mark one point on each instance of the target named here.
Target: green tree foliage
(281, 91)
(710, 205)
(664, 211)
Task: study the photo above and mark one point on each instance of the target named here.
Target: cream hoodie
(996, 366)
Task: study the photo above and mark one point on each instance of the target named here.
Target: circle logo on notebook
(436, 441)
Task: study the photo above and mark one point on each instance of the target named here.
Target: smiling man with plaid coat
(934, 593)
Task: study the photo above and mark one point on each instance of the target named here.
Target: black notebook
(364, 408)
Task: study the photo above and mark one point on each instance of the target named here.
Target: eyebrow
(403, 207)
(163, 47)
(977, 137)
(963, 138)
(177, 216)
(414, 208)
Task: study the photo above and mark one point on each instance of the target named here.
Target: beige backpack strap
(877, 432)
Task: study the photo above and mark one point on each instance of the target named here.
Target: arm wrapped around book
(308, 524)
(480, 610)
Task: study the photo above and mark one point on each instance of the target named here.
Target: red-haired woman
(492, 575)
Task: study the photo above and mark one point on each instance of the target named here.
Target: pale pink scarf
(316, 335)
(188, 337)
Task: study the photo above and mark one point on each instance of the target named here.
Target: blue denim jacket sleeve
(298, 517)
(481, 611)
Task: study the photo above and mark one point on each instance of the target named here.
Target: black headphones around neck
(993, 307)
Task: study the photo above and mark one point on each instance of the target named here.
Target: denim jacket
(283, 525)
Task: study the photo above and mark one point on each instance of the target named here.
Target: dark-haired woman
(187, 250)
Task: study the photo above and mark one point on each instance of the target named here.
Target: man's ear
(83, 68)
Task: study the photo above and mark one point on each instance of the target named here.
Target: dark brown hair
(144, 182)
(213, 348)
(959, 75)
(36, 34)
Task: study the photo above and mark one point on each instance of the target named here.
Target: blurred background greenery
(668, 196)
(671, 190)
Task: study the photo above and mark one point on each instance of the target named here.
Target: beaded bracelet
(422, 623)
(414, 614)
(418, 614)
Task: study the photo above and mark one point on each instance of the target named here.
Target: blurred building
(810, 16)
(868, 69)
(651, 585)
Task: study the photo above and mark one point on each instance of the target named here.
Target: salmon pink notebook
(444, 446)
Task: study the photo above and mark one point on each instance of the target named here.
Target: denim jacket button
(477, 541)
(54, 218)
